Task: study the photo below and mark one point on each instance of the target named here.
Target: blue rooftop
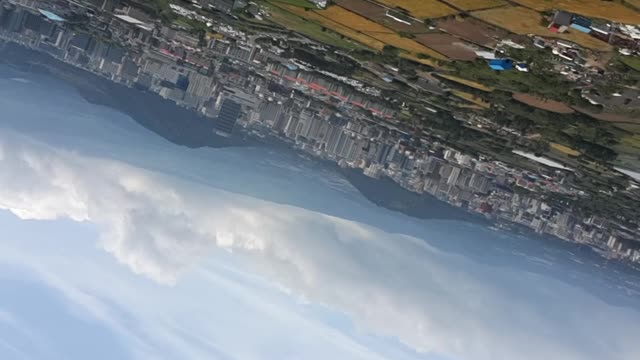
(51, 16)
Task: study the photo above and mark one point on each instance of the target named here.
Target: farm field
(335, 26)
(544, 104)
(472, 30)
(378, 13)
(466, 82)
(448, 45)
(608, 10)
(564, 149)
(423, 9)
(475, 4)
(524, 21)
(361, 29)
(308, 28)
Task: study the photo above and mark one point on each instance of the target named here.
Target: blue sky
(117, 244)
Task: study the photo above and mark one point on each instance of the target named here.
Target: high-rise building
(453, 177)
(226, 120)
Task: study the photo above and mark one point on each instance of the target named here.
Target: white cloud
(390, 284)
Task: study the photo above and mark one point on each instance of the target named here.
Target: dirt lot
(544, 104)
(472, 30)
(448, 45)
(378, 13)
(595, 8)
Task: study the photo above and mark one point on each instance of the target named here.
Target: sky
(117, 244)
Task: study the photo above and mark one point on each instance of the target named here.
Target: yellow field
(422, 8)
(471, 98)
(475, 4)
(595, 8)
(362, 29)
(564, 149)
(466, 82)
(339, 28)
(523, 21)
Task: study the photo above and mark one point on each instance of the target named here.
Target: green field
(631, 61)
(300, 3)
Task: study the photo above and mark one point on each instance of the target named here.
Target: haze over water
(147, 250)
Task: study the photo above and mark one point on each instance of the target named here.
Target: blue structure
(581, 24)
(501, 64)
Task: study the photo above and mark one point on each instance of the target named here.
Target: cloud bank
(390, 284)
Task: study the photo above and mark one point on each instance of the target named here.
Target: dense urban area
(517, 111)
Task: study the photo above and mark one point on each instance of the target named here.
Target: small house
(562, 18)
(501, 64)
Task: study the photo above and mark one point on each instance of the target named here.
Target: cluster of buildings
(241, 86)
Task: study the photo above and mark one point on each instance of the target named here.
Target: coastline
(185, 127)
(159, 116)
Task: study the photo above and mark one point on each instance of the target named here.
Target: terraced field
(524, 21)
(424, 9)
(609, 10)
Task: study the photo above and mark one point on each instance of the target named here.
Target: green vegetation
(631, 61)
(301, 3)
(192, 26)
(538, 81)
(158, 8)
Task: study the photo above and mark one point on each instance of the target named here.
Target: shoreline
(192, 130)
(161, 116)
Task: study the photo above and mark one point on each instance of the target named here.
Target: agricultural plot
(470, 5)
(472, 30)
(423, 9)
(310, 29)
(390, 18)
(334, 26)
(368, 28)
(524, 21)
(608, 10)
(450, 46)
(465, 82)
(544, 104)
